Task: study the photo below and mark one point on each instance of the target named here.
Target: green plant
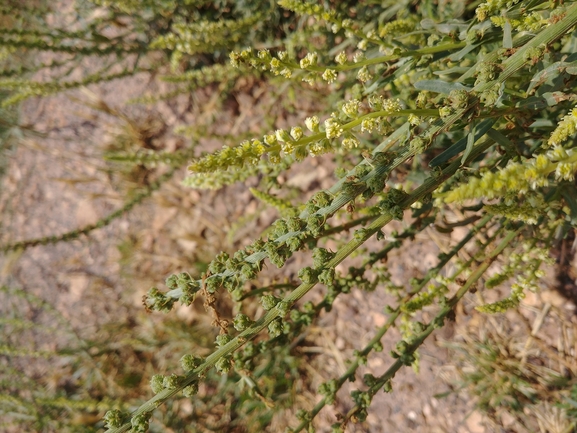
(431, 109)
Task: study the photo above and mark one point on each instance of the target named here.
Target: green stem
(350, 373)
(426, 188)
(439, 319)
(383, 59)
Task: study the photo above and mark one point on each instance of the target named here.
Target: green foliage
(482, 117)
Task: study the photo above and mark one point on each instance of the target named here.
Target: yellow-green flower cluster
(306, 8)
(341, 58)
(414, 120)
(370, 124)
(390, 106)
(493, 7)
(364, 75)
(420, 300)
(518, 176)
(312, 123)
(24, 89)
(565, 129)
(333, 129)
(529, 211)
(397, 27)
(527, 267)
(500, 306)
(351, 108)
(309, 60)
(264, 61)
(247, 151)
(285, 207)
(204, 36)
(329, 76)
(359, 57)
(532, 22)
(350, 142)
(229, 160)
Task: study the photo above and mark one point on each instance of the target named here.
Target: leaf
(507, 37)
(427, 24)
(460, 145)
(439, 86)
(542, 123)
(532, 103)
(551, 72)
(548, 99)
(543, 76)
(456, 70)
(553, 98)
(499, 138)
(463, 52)
(470, 143)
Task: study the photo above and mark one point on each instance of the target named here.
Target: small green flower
(333, 128)
(359, 57)
(369, 125)
(327, 276)
(270, 139)
(341, 58)
(114, 418)
(308, 275)
(364, 75)
(275, 328)
(329, 76)
(282, 135)
(223, 340)
(362, 234)
(361, 399)
(322, 199)
(190, 390)
(242, 322)
(189, 362)
(315, 224)
(312, 123)
(157, 383)
(269, 302)
(224, 364)
(140, 423)
(321, 256)
(283, 307)
(350, 143)
(171, 382)
(296, 132)
(351, 108)
(309, 60)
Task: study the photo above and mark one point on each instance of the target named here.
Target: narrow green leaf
(507, 37)
(542, 123)
(553, 98)
(460, 145)
(463, 52)
(550, 73)
(456, 70)
(532, 103)
(499, 138)
(439, 86)
(470, 143)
